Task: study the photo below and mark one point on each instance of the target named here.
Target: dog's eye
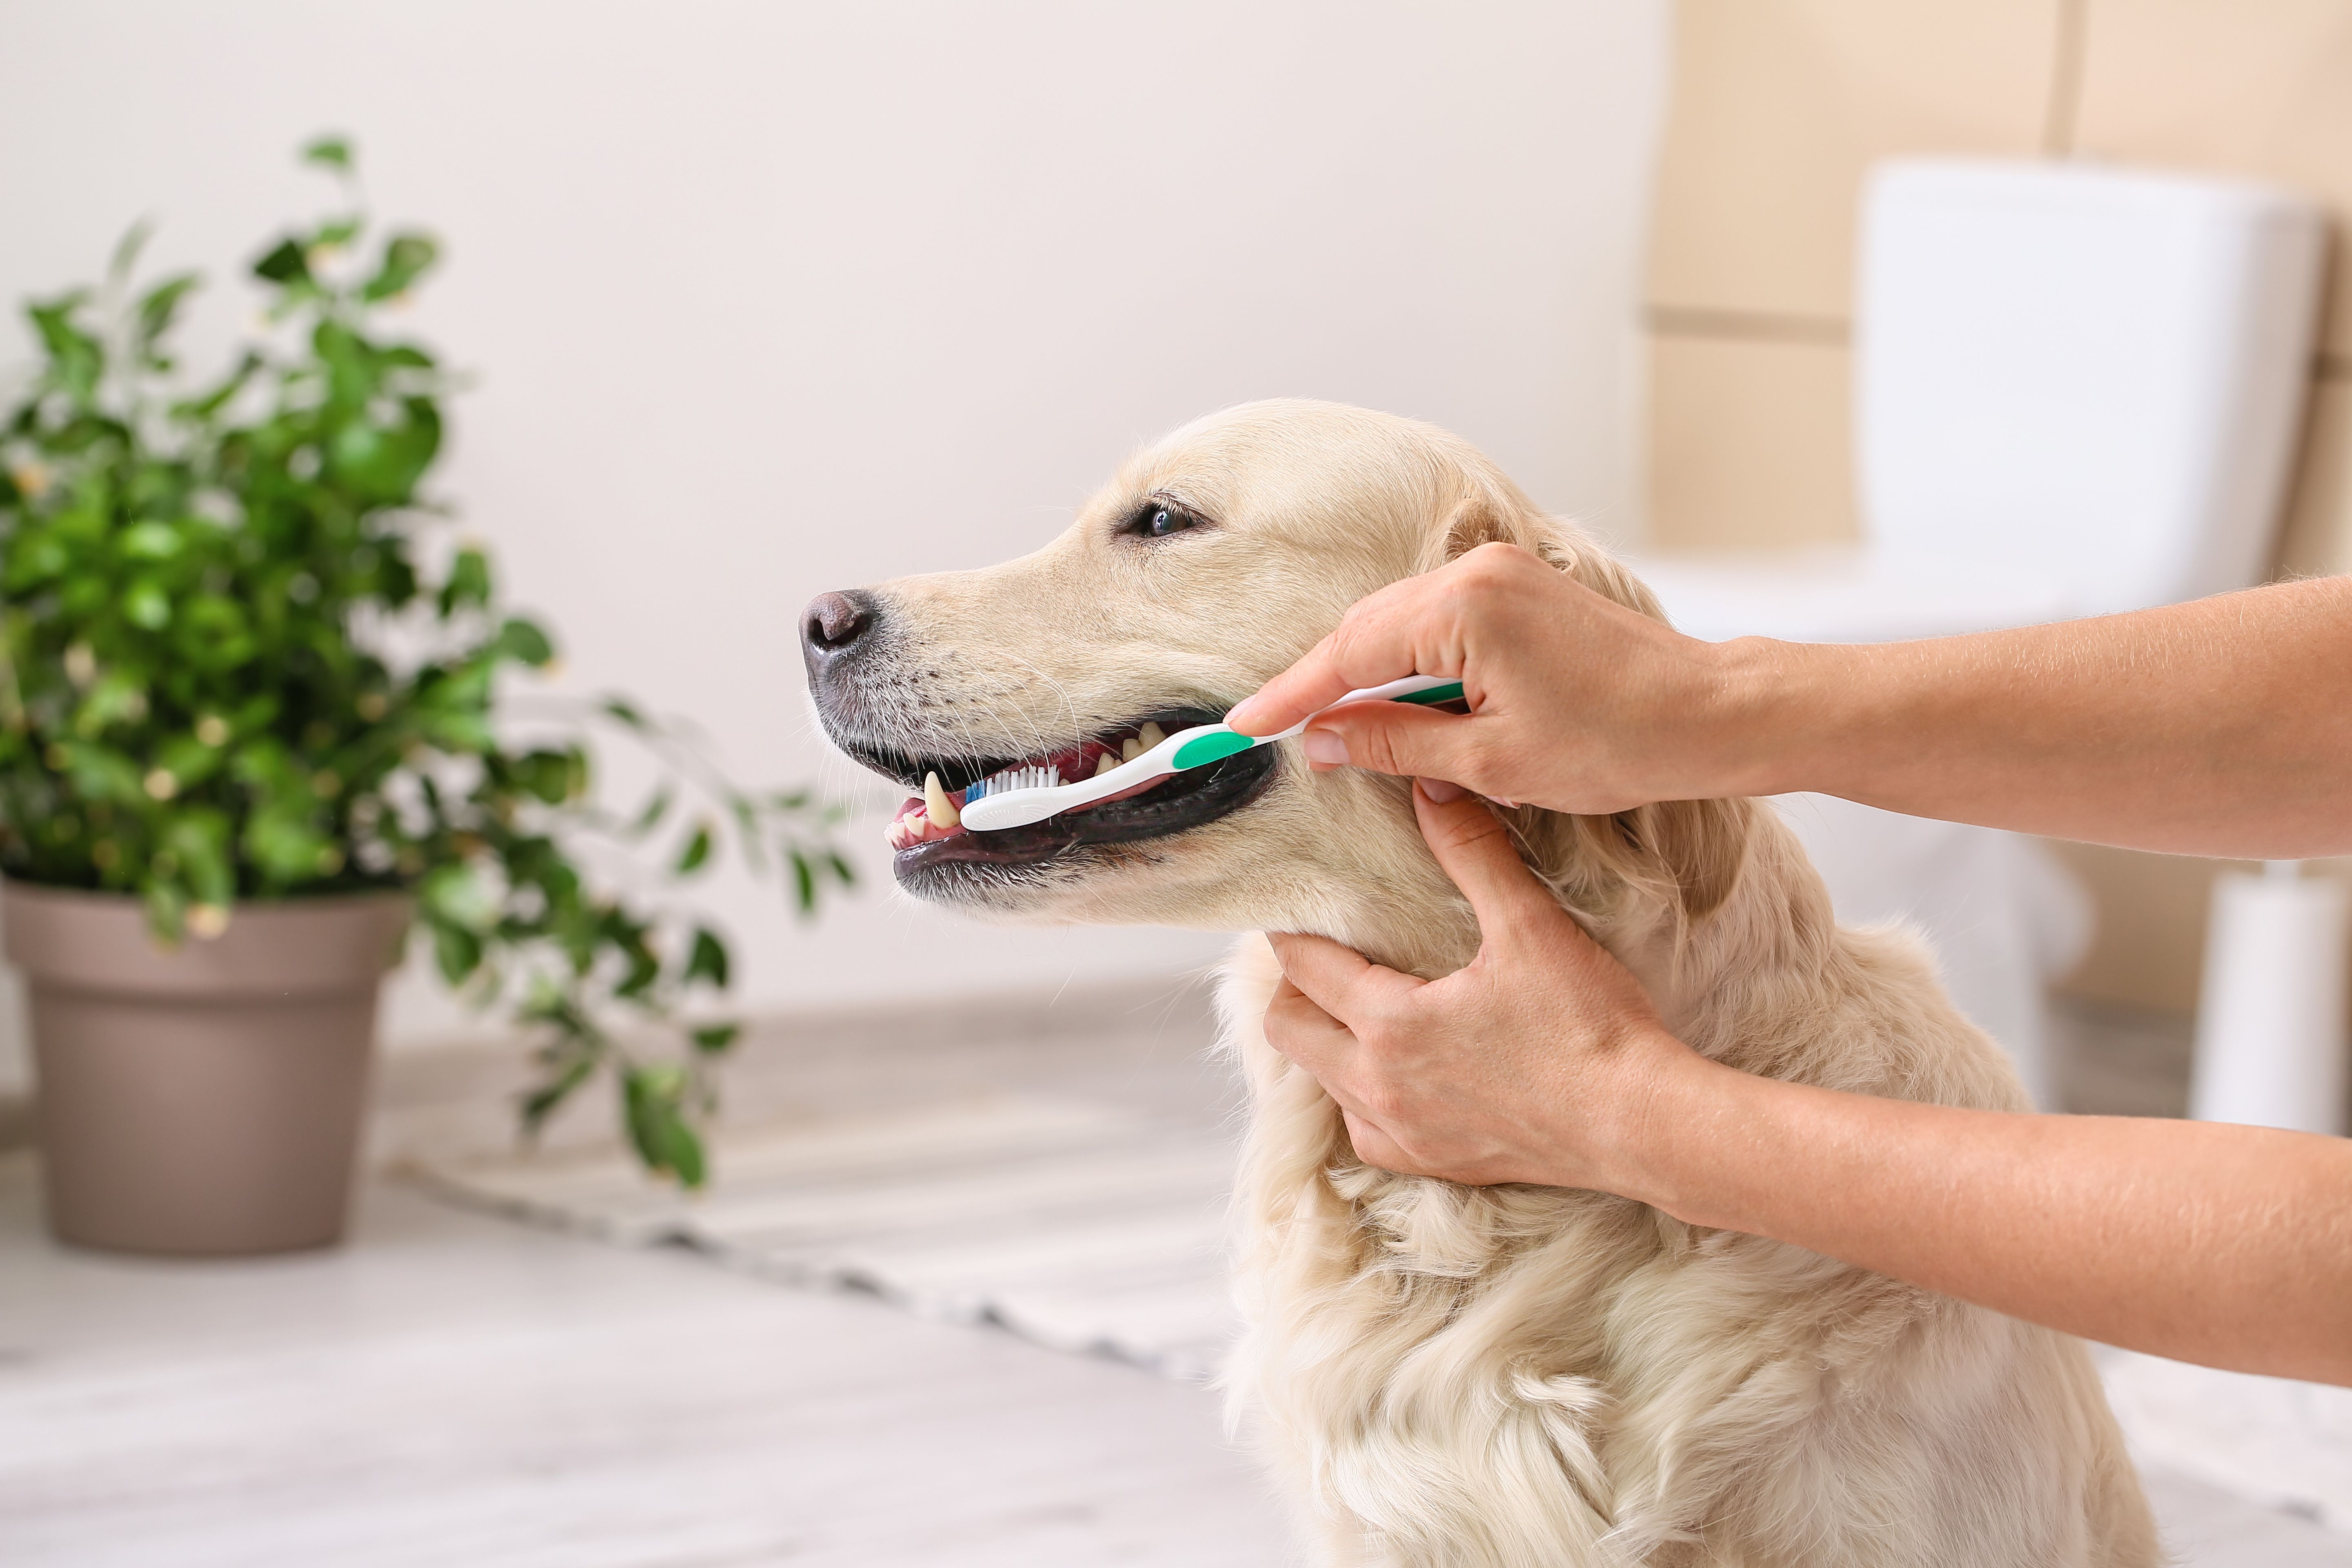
(1158, 520)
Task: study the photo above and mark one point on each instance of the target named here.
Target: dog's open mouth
(927, 829)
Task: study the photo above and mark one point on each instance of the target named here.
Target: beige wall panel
(1749, 444)
(2245, 87)
(2319, 534)
(2150, 948)
(2150, 941)
(1778, 105)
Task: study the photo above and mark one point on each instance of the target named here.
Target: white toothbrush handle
(1020, 808)
(1410, 686)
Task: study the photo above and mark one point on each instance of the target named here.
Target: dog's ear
(1700, 845)
(1486, 517)
(1687, 852)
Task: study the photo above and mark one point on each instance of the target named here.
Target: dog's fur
(1515, 1376)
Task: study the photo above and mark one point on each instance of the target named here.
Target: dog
(1477, 1377)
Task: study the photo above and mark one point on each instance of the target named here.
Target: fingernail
(1441, 791)
(1324, 746)
(1238, 716)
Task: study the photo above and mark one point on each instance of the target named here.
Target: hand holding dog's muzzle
(1533, 1063)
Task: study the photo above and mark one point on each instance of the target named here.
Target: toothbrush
(1019, 796)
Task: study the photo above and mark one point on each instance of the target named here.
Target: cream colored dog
(1503, 1377)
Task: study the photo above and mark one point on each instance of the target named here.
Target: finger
(1475, 849)
(1336, 978)
(1383, 637)
(1400, 738)
(1373, 1145)
(1302, 1031)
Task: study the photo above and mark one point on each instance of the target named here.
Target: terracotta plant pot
(202, 1100)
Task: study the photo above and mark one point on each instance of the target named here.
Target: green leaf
(331, 151)
(146, 604)
(697, 850)
(167, 909)
(707, 959)
(453, 895)
(406, 258)
(655, 810)
(457, 953)
(199, 836)
(284, 844)
(126, 250)
(468, 584)
(550, 776)
(713, 1038)
(76, 359)
(579, 1065)
(151, 541)
(522, 641)
(652, 1100)
(286, 263)
(159, 306)
(463, 734)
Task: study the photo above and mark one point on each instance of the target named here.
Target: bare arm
(2219, 727)
(2222, 727)
(1543, 1061)
(2229, 1246)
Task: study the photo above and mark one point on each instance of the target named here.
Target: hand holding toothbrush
(1576, 702)
(2220, 727)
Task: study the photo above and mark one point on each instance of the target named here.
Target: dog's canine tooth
(1104, 764)
(936, 804)
(1149, 736)
(1131, 749)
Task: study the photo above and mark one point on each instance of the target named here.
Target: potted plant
(255, 723)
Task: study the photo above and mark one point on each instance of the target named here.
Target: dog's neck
(1774, 928)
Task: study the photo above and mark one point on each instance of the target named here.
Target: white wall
(768, 299)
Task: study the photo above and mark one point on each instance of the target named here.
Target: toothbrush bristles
(1012, 779)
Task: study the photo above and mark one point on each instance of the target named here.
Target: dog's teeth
(1149, 736)
(1104, 764)
(937, 805)
(917, 824)
(1131, 749)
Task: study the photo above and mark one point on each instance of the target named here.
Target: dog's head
(1213, 560)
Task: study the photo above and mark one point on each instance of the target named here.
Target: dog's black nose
(833, 623)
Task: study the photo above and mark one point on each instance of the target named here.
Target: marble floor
(463, 1392)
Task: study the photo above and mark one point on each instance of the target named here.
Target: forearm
(2229, 1246)
(2222, 727)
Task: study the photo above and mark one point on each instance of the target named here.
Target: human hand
(1576, 702)
(1536, 1062)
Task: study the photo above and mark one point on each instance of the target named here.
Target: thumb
(1399, 738)
(1473, 847)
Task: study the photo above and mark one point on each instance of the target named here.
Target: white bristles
(1012, 779)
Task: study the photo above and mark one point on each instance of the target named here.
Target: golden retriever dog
(1478, 1377)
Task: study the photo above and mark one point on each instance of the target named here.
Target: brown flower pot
(202, 1101)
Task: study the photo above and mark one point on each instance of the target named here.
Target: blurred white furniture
(2270, 1025)
(2077, 392)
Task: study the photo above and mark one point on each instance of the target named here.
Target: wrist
(1671, 1139)
(1774, 714)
